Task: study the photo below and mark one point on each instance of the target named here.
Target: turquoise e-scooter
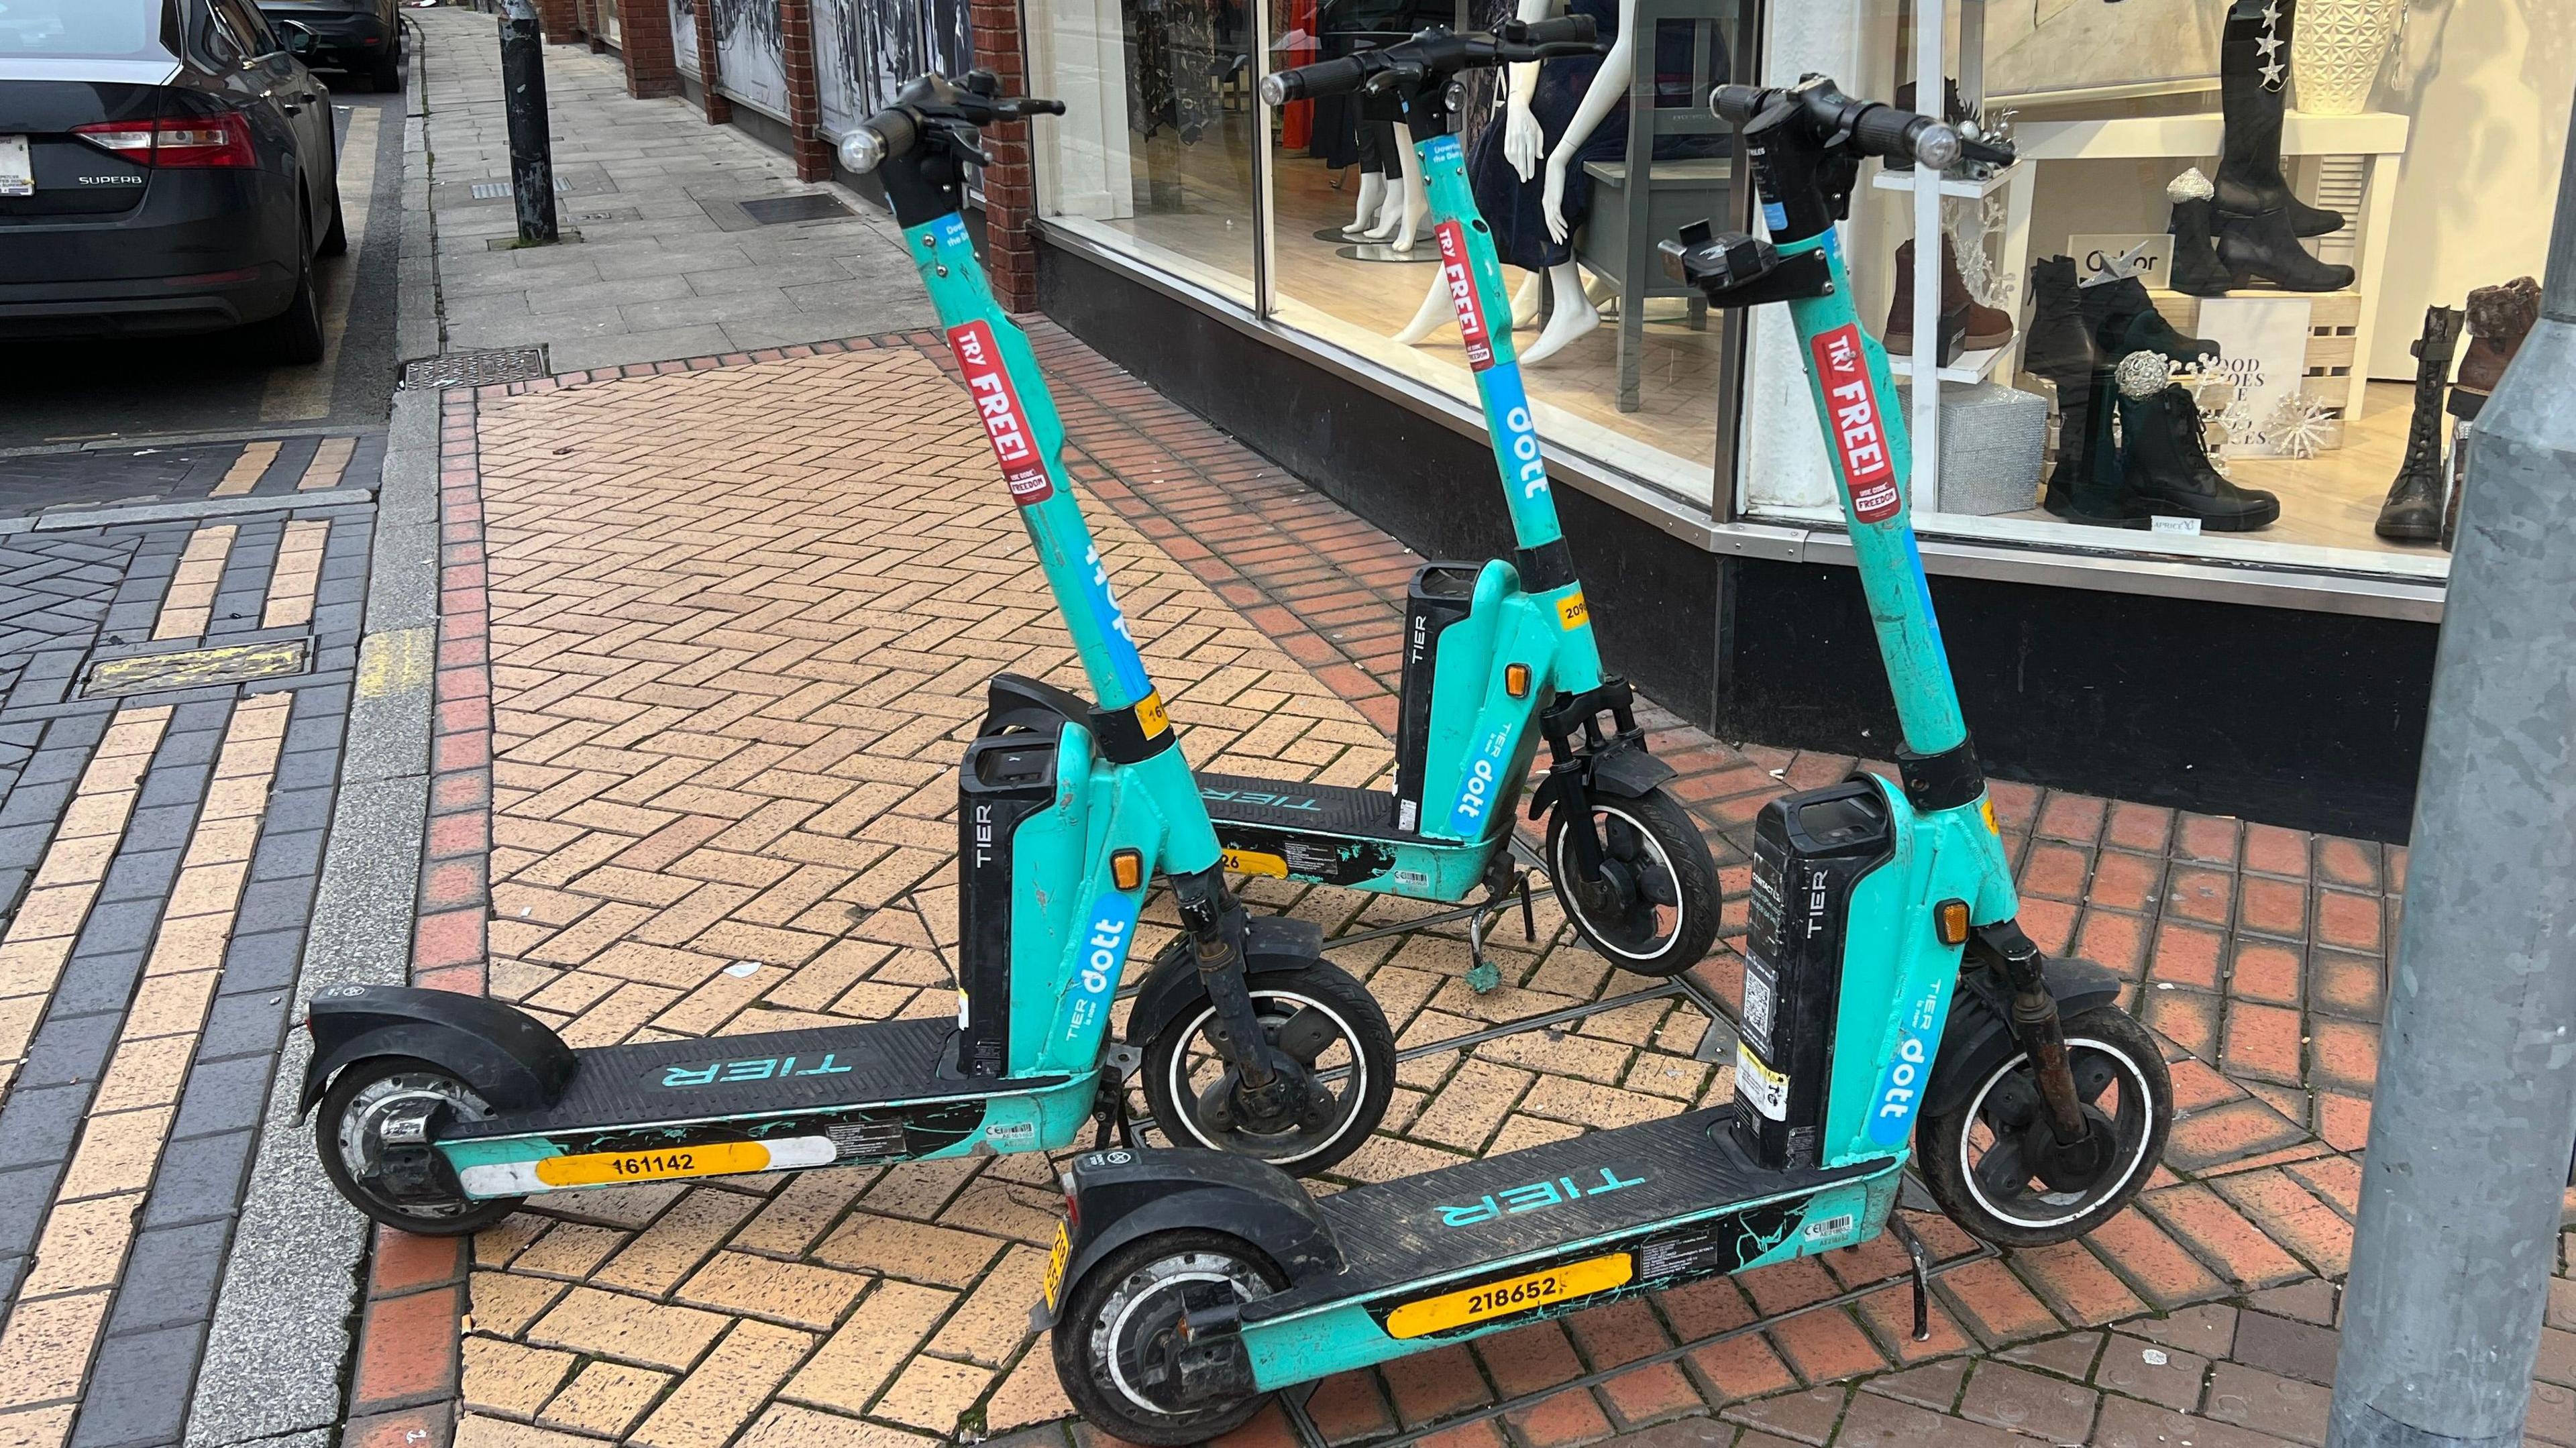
(1892, 1008)
(440, 1112)
(1497, 658)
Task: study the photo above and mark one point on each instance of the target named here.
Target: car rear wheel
(294, 336)
(335, 242)
(387, 75)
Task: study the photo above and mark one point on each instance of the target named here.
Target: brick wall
(1010, 195)
(562, 26)
(652, 67)
(719, 110)
(804, 105)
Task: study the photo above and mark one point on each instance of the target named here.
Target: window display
(2177, 324)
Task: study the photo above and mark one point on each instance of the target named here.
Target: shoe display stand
(2378, 137)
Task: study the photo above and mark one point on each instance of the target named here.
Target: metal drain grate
(495, 190)
(192, 668)
(475, 369)
(779, 210)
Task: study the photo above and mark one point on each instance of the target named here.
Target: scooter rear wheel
(1654, 910)
(1981, 1160)
(344, 1135)
(1317, 1014)
(1117, 1344)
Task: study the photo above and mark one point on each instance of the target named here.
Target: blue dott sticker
(949, 230)
(1482, 786)
(1901, 1083)
(1123, 659)
(1108, 931)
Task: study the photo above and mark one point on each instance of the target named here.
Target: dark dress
(1513, 207)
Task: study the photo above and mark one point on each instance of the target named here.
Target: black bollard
(523, 87)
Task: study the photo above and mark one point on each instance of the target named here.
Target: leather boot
(2254, 76)
(2060, 349)
(2196, 272)
(2163, 468)
(2413, 512)
(2124, 319)
(1898, 336)
(2499, 318)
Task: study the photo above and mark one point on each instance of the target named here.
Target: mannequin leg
(1571, 313)
(1417, 191)
(1372, 199)
(1435, 310)
(1525, 302)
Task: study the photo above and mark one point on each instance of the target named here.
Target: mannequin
(1406, 195)
(1570, 310)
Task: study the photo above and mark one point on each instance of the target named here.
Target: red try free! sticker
(1860, 438)
(1462, 292)
(997, 402)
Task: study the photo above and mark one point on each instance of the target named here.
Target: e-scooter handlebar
(1836, 121)
(936, 105)
(1432, 55)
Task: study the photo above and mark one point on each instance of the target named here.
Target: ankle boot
(2263, 245)
(2413, 512)
(2124, 319)
(2164, 468)
(2060, 349)
(2254, 73)
(2196, 272)
(1898, 336)
(2499, 318)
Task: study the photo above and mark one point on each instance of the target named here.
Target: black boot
(2060, 349)
(2164, 468)
(2413, 512)
(2123, 319)
(2254, 76)
(2196, 272)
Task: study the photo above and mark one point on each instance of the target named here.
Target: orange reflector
(1952, 917)
(1516, 680)
(1127, 869)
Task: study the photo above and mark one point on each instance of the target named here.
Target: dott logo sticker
(1462, 293)
(1860, 438)
(1900, 1086)
(1102, 952)
(998, 403)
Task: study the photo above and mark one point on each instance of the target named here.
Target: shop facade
(2181, 481)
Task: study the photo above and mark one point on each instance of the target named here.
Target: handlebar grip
(883, 137)
(1576, 29)
(1306, 82)
(1737, 104)
(1887, 133)
(1033, 106)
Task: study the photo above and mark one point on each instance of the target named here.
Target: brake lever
(1987, 152)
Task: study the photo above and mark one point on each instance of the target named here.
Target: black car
(166, 166)
(362, 37)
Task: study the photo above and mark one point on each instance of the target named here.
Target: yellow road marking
(246, 470)
(396, 661)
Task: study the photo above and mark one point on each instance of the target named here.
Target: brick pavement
(715, 632)
(161, 824)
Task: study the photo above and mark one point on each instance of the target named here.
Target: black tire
(363, 1084)
(294, 337)
(2105, 1048)
(1656, 913)
(1180, 1069)
(387, 76)
(335, 239)
(1118, 1319)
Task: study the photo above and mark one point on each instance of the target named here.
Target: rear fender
(1119, 1196)
(1271, 944)
(509, 1057)
(1979, 1035)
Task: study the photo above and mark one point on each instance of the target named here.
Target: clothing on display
(1173, 69)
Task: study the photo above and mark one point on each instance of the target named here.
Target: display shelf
(1965, 190)
(1974, 366)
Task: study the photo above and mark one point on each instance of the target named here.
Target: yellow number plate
(1150, 716)
(1572, 610)
(1054, 1282)
(602, 1167)
(1502, 1299)
(1255, 862)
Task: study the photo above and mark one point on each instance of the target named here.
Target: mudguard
(509, 1057)
(1120, 1195)
(1622, 769)
(1271, 943)
(1979, 1035)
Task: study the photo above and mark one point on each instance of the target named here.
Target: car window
(250, 26)
(112, 28)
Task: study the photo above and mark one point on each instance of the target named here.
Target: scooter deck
(1286, 804)
(777, 1073)
(1586, 1192)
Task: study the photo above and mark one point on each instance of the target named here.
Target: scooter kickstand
(1482, 974)
(1922, 1259)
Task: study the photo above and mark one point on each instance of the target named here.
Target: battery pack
(1809, 851)
(1441, 595)
(1007, 777)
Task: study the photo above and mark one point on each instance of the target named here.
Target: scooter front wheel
(1995, 1167)
(1119, 1352)
(1318, 1015)
(1653, 907)
(348, 1133)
